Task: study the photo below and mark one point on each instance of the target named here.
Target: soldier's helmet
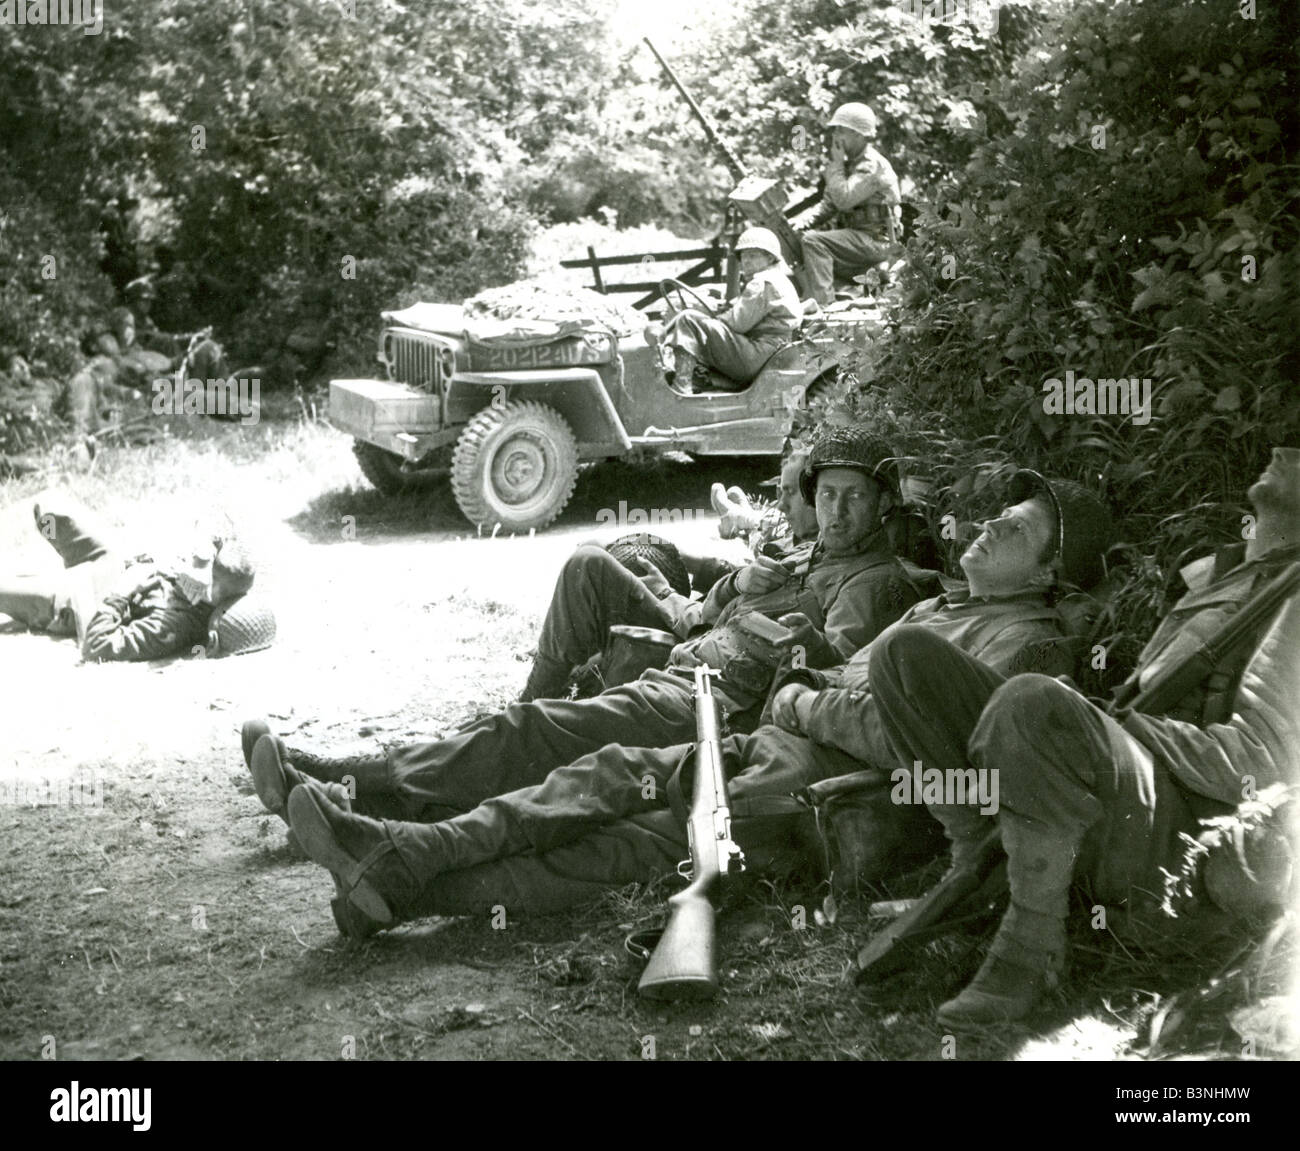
(840, 446)
(859, 117)
(659, 551)
(1083, 525)
(761, 240)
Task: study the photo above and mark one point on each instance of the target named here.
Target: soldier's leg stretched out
(514, 749)
(594, 591)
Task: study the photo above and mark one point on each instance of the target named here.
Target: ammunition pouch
(629, 651)
(862, 836)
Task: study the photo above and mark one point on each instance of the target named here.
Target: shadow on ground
(664, 489)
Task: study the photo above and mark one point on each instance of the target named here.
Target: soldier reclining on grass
(596, 591)
(1087, 795)
(604, 821)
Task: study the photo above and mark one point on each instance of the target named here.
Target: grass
(175, 923)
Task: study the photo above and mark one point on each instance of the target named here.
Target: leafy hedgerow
(1130, 213)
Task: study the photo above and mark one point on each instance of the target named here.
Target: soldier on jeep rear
(861, 205)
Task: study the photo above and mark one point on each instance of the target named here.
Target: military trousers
(605, 821)
(842, 252)
(714, 344)
(594, 591)
(1078, 797)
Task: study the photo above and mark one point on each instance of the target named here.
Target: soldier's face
(853, 143)
(848, 509)
(1278, 487)
(752, 260)
(801, 517)
(1007, 554)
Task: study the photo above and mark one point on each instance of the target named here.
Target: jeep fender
(577, 393)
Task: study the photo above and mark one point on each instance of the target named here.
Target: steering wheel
(682, 291)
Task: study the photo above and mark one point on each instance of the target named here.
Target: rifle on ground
(684, 964)
(968, 893)
(760, 200)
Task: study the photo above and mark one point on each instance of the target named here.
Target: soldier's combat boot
(1027, 957)
(684, 368)
(369, 873)
(1025, 962)
(547, 680)
(274, 778)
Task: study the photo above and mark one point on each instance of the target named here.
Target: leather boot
(1027, 957)
(547, 680)
(371, 768)
(370, 876)
(274, 778)
(1025, 962)
(684, 369)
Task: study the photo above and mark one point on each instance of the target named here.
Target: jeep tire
(383, 469)
(514, 465)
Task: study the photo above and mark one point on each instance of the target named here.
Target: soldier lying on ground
(742, 339)
(605, 821)
(595, 592)
(130, 609)
(1087, 796)
(833, 597)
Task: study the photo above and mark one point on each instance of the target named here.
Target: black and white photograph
(591, 531)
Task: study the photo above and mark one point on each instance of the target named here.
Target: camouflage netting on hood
(552, 298)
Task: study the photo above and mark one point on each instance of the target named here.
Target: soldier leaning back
(596, 823)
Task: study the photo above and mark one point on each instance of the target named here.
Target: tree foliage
(1131, 213)
(253, 147)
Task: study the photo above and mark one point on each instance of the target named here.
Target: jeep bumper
(391, 416)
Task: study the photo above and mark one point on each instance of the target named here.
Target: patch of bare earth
(167, 919)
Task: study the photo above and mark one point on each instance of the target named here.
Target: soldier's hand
(761, 576)
(683, 656)
(786, 706)
(802, 630)
(837, 151)
(652, 577)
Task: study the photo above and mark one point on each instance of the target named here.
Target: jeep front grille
(415, 359)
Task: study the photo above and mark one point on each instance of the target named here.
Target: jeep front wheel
(383, 469)
(514, 465)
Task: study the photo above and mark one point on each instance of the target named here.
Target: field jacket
(849, 599)
(860, 194)
(767, 309)
(1249, 706)
(1010, 634)
(153, 621)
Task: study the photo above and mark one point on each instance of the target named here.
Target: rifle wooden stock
(950, 901)
(684, 964)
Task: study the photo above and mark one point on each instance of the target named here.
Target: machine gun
(761, 201)
(970, 891)
(684, 964)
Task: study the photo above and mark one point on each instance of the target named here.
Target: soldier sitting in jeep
(741, 340)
